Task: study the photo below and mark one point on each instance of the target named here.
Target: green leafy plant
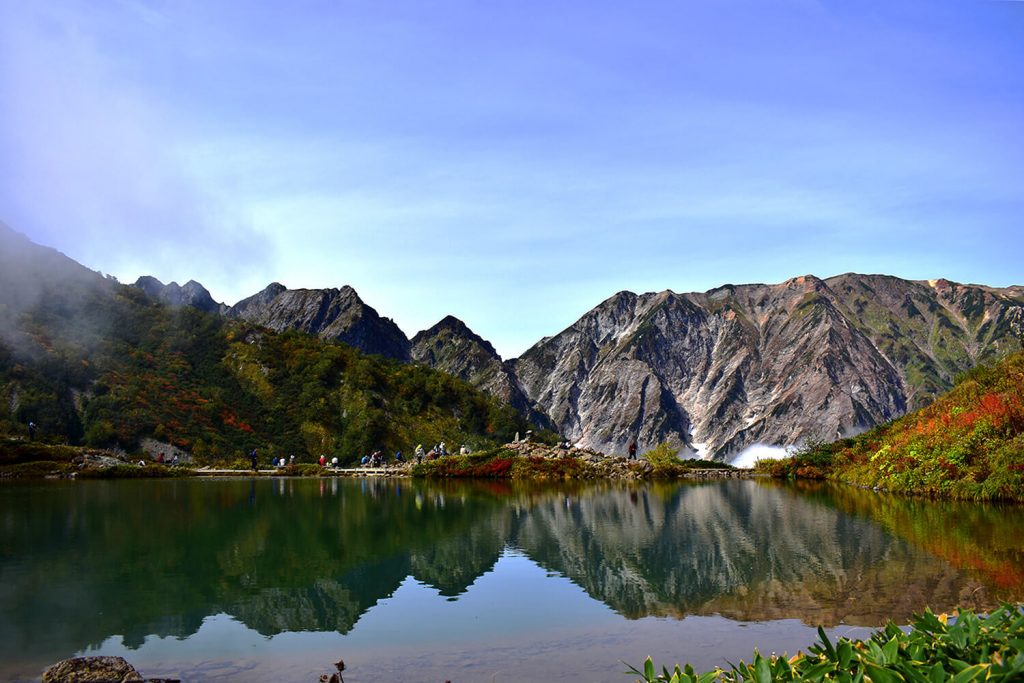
(935, 649)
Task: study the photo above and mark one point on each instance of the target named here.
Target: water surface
(276, 579)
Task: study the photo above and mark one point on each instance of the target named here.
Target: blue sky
(515, 163)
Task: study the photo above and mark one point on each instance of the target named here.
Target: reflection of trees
(80, 562)
(981, 538)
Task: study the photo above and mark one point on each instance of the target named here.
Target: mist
(94, 163)
(759, 451)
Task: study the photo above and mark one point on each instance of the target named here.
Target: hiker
(398, 457)
(160, 458)
(31, 431)
(632, 449)
(291, 460)
(464, 450)
(252, 456)
(323, 460)
(334, 462)
(418, 453)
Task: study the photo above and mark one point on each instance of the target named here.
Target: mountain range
(713, 373)
(91, 361)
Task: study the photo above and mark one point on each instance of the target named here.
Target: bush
(666, 462)
(492, 464)
(971, 648)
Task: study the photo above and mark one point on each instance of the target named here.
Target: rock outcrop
(719, 371)
(337, 314)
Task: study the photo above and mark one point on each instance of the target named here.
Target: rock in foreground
(97, 670)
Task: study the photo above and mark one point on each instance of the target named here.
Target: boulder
(92, 670)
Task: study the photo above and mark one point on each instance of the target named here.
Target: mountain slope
(774, 364)
(450, 346)
(969, 443)
(89, 360)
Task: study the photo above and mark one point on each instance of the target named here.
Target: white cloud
(89, 159)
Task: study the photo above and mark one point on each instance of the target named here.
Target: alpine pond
(276, 579)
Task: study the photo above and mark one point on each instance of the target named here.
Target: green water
(277, 579)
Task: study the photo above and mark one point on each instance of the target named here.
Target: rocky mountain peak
(190, 294)
(452, 347)
(329, 313)
(742, 365)
(451, 327)
(257, 300)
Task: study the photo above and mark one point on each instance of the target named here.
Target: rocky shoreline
(517, 460)
(528, 460)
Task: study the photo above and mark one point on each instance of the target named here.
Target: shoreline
(517, 461)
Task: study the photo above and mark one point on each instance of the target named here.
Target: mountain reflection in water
(82, 561)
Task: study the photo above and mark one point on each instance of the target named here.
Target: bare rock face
(328, 313)
(763, 364)
(450, 346)
(190, 294)
(92, 670)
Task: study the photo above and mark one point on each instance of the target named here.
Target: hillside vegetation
(968, 444)
(105, 366)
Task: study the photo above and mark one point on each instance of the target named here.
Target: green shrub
(666, 462)
(935, 649)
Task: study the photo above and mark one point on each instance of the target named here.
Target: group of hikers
(437, 451)
(375, 459)
(379, 459)
(161, 459)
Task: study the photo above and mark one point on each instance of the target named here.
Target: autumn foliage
(968, 444)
